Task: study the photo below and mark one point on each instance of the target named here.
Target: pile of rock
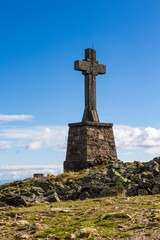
(130, 179)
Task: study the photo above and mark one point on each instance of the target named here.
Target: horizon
(41, 93)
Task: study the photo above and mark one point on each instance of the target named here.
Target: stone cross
(90, 68)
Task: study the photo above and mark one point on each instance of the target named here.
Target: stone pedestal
(89, 144)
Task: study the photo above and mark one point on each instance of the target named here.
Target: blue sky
(40, 93)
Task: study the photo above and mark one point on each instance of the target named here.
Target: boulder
(22, 223)
(35, 226)
(132, 189)
(38, 191)
(156, 188)
(3, 204)
(26, 193)
(14, 200)
(153, 166)
(142, 192)
(113, 173)
(112, 191)
(53, 198)
(44, 183)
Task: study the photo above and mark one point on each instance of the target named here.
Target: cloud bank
(11, 118)
(25, 171)
(55, 138)
(136, 138)
(35, 138)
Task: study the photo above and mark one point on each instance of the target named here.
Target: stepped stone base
(89, 144)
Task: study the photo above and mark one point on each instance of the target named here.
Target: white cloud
(5, 148)
(35, 138)
(26, 171)
(49, 137)
(5, 145)
(127, 153)
(11, 118)
(55, 138)
(135, 138)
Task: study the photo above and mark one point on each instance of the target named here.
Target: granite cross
(90, 68)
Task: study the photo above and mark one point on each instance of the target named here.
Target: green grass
(82, 214)
(157, 218)
(20, 228)
(148, 234)
(44, 234)
(136, 227)
(126, 235)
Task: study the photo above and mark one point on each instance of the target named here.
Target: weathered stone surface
(22, 223)
(13, 200)
(90, 68)
(44, 183)
(3, 204)
(89, 144)
(112, 191)
(38, 175)
(53, 198)
(37, 191)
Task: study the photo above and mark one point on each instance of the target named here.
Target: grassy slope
(15, 187)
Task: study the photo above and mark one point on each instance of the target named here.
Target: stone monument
(89, 142)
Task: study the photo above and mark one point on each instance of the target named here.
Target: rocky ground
(111, 201)
(102, 218)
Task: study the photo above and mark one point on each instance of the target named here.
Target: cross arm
(101, 69)
(81, 65)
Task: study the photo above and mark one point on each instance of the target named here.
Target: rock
(3, 204)
(25, 236)
(85, 235)
(112, 191)
(35, 226)
(50, 192)
(60, 189)
(12, 200)
(22, 236)
(136, 178)
(72, 236)
(120, 180)
(3, 223)
(152, 224)
(22, 222)
(55, 210)
(114, 215)
(38, 191)
(44, 183)
(71, 194)
(142, 192)
(145, 183)
(153, 166)
(113, 173)
(27, 193)
(53, 198)
(157, 159)
(156, 188)
(86, 230)
(84, 195)
(132, 189)
(148, 175)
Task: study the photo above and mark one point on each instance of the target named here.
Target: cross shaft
(90, 68)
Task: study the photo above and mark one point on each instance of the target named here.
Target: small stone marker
(89, 142)
(38, 175)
